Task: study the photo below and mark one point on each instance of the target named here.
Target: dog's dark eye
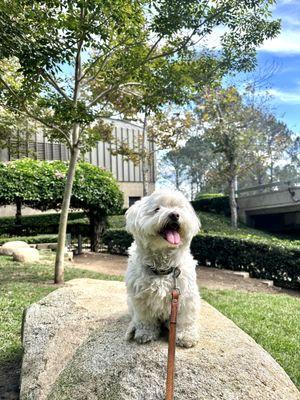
(157, 209)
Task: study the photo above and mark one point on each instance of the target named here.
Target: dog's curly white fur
(163, 226)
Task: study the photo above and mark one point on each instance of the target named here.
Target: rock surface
(8, 248)
(26, 255)
(74, 348)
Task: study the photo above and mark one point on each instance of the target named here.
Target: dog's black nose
(174, 216)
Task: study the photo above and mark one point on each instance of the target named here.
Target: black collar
(160, 271)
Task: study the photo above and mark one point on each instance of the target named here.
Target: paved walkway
(211, 278)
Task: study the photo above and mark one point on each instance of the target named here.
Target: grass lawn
(271, 320)
(19, 287)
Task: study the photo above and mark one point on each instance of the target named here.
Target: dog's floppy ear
(132, 217)
(195, 222)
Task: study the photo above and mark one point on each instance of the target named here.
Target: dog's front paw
(146, 334)
(130, 331)
(186, 340)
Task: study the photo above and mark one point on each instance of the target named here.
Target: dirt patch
(210, 278)
(104, 263)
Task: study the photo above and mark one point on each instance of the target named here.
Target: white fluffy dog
(163, 226)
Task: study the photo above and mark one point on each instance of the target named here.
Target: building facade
(128, 174)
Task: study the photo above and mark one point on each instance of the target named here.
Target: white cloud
(287, 42)
(283, 2)
(290, 20)
(213, 41)
(285, 97)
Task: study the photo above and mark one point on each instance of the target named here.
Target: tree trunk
(61, 242)
(232, 201)
(98, 224)
(18, 211)
(177, 182)
(145, 166)
(192, 191)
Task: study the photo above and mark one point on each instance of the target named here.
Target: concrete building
(274, 207)
(128, 174)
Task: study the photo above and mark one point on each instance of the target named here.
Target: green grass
(22, 285)
(271, 320)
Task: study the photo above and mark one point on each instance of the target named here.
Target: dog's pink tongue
(173, 237)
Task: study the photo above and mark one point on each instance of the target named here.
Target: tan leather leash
(172, 337)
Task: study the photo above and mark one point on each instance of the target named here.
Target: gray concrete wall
(268, 203)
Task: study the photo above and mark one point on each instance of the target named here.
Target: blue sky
(283, 53)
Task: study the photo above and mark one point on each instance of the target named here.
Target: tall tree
(62, 47)
(174, 168)
(274, 140)
(229, 126)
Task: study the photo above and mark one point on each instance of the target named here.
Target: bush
(37, 224)
(117, 241)
(201, 196)
(261, 259)
(31, 239)
(217, 203)
(40, 184)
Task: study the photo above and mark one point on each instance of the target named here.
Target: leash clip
(176, 273)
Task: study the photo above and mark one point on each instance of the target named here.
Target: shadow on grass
(10, 377)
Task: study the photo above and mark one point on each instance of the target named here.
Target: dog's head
(163, 219)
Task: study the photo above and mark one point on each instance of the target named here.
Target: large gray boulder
(8, 248)
(26, 255)
(74, 348)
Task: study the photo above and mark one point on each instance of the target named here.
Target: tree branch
(189, 37)
(27, 112)
(105, 58)
(52, 81)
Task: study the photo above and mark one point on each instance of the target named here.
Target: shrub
(37, 224)
(116, 221)
(31, 239)
(117, 241)
(261, 259)
(40, 184)
(201, 196)
(216, 203)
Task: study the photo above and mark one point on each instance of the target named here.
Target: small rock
(245, 275)
(267, 282)
(42, 246)
(8, 248)
(69, 255)
(26, 255)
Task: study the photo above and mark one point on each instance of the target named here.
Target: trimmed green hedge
(117, 241)
(31, 239)
(43, 224)
(261, 259)
(216, 203)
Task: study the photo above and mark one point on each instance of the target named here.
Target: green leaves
(40, 184)
(79, 61)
